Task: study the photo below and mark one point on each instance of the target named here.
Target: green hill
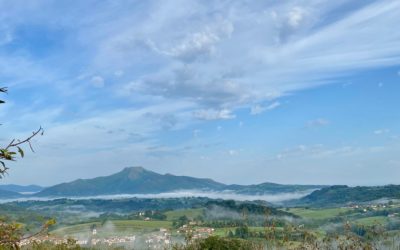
(271, 188)
(339, 195)
(5, 194)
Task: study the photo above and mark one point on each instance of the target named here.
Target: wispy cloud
(211, 114)
(119, 75)
(381, 131)
(258, 109)
(320, 122)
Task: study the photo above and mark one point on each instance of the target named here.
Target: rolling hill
(137, 180)
(341, 194)
(21, 189)
(5, 194)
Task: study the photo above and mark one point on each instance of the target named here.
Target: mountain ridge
(339, 195)
(138, 180)
(6, 194)
(21, 188)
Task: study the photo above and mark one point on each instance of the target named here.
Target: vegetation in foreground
(209, 224)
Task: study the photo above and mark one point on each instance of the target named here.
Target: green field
(318, 214)
(223, 231)
(190, 213)
(369, 221)
(116, 227)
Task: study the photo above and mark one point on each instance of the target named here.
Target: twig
(27, 140)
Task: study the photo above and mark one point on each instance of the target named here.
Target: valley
(366, 214)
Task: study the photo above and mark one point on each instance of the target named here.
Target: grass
(369, 221)
(223, 231)
(110, 228)
(190, 213)
(318, 214)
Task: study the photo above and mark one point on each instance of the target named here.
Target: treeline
(341, 194)
(248, 207)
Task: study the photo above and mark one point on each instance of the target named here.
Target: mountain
(341, 194)
(137, 180)
(134, 180)
(21, 189)
(5, 194)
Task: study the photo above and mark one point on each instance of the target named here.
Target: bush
(218, 243)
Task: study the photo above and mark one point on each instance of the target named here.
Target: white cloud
(381, 131)
(232, 152)
(296, 16)
(320, 122)
(227, 60)
(320, 151)
(212, 114)
(97, 81)
(258, 109)
(119, 73)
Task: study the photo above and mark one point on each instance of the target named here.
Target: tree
(11, 234)
(13, 149)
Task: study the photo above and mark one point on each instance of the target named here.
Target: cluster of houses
(370, 207)
(196, 232)
(42, 239)
(116, 240)
(110, 241)
(158, 240)
(375, 207)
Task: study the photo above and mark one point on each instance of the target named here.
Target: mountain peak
(134, 173)
(136, 169)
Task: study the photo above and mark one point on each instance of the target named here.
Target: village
(154, 240)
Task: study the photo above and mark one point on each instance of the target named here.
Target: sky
(245, 92)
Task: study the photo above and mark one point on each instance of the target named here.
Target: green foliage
(245, 208)
(193, 214)
(242, 232)
(10, 234)
(183, 220)
(219, 243)
(338, 195)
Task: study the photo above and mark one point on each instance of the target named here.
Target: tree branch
(15, 143)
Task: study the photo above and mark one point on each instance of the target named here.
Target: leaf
(21, 152)
(51, 222)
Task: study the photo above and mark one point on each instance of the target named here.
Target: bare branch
(13, 142)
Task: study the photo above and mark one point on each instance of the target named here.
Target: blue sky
(238, 91)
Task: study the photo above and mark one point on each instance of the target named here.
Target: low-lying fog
(227, 195)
